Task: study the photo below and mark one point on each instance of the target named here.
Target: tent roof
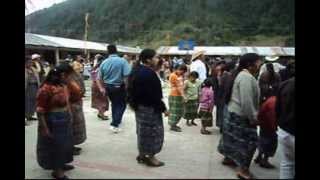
(59, 42)
(229, 50)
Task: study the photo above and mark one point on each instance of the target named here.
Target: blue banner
(186, 45)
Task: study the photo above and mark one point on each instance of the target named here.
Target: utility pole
(168, 38)
(86, 35)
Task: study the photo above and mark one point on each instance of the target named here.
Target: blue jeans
(287, 154)
(117, 96)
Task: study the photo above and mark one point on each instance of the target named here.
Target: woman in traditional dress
(225, 83)
(54, 145)
(32, 83)
(78, 119)
(145, 97)
(98, 101)
(269, 84)
(218, 94)
(191, 91)
(239, 137)
(206, 103)
(176, 97)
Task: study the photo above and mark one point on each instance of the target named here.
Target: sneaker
(114, 129)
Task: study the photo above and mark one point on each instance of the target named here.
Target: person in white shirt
(198, 65)
(277, 66)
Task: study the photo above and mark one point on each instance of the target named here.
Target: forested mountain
(151, 23)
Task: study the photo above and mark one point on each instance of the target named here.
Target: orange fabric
(176, 84)
(75, 92)
(51, 96)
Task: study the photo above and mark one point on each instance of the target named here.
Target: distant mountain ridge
(151, 23)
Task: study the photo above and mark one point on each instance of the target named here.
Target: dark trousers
(117, 96)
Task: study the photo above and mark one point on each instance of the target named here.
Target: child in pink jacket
(206, 106)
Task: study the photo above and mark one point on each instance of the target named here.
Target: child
(191, 91)
(176, 97)
(206, 106)
(268, 138)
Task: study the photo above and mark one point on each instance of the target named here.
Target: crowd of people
(245, 94)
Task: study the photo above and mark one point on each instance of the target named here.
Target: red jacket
(267, 115)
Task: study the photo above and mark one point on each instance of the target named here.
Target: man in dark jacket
(287, 73)
(285, 113)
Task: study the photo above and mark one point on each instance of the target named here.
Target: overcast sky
(39, 4)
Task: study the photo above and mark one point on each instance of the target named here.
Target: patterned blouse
(52, 96)
(206, 99)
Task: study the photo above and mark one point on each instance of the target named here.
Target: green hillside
(151, 23)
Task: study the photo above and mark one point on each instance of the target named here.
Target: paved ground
(188, 154)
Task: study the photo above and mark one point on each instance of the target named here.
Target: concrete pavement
(188, 154)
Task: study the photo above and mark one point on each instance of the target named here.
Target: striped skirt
(54, 152)
(30, 99)
(206, 118)
(238, 141)
(219, 115)
(175, 109)
(98, 101)
(268, 143)
(78, 123)
(191, 109)
(150, 130)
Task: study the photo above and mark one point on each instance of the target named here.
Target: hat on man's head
(35, 56)
(97, 56)
(197, 54)
(272, 58)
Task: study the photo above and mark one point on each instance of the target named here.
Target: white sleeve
(192, 67)
(203, 71)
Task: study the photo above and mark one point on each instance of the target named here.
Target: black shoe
(67, 167)
(266, 164)
(102, 117)
(229, 162)
(175, 128)
(59, 178)
(258, 160)
(152, 164)
(193, 123)
(31, 119)
(205, 132)
(76, 151)
(141, 159)
(77, 148)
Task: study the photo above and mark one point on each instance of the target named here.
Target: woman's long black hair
(145, 55)
(272, 73)
(54, 75)
(246, 61)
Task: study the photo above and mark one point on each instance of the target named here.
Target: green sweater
(192, 89)
(245, 96)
